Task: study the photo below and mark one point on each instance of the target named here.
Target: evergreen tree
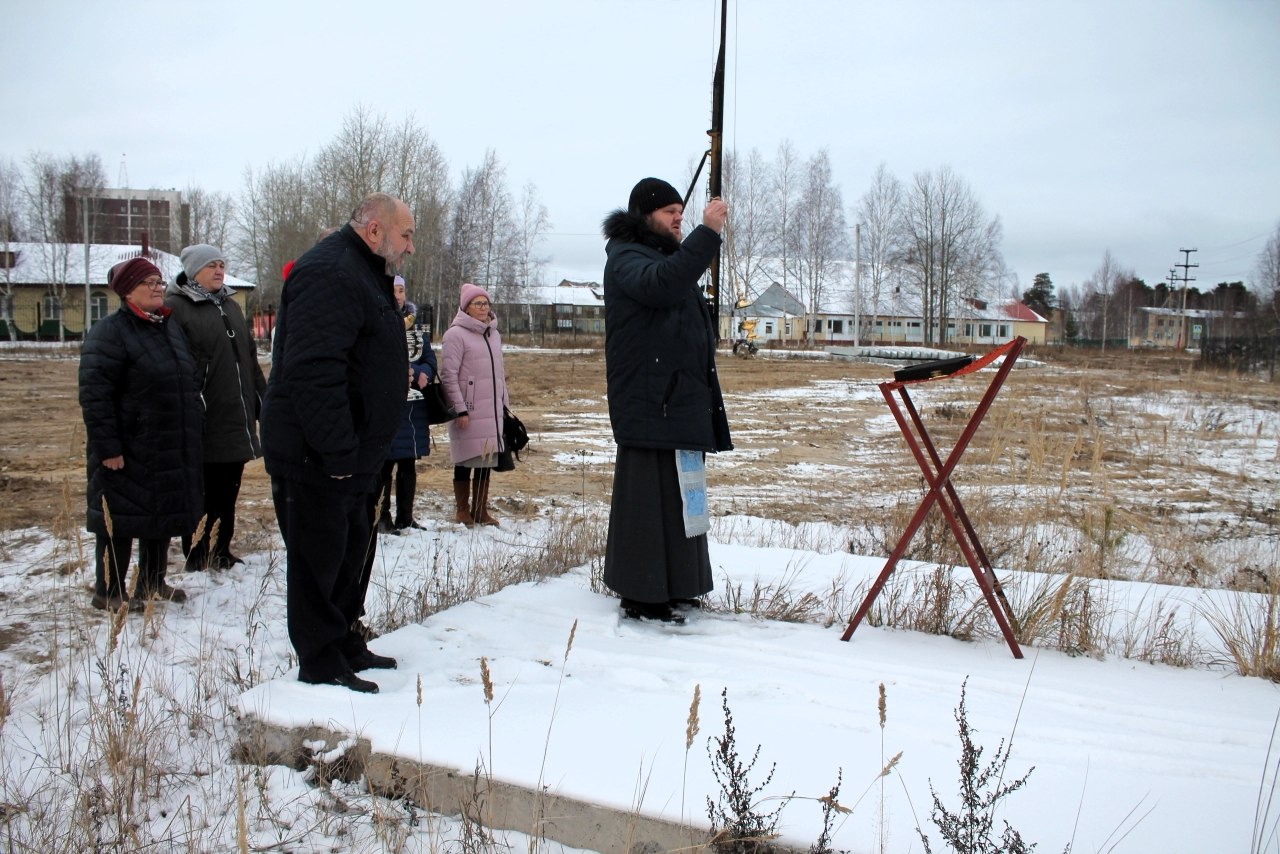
(1040, 297)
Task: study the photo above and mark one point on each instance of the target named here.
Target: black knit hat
(651, 194)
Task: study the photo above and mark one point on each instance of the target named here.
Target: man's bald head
(387, 226)
(379, 207)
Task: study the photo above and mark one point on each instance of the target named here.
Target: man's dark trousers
(326, 533)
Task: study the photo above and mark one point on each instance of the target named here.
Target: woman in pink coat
(474, 381)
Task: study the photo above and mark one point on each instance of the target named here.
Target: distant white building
(1173, 327)
(569, 307)
(897, 319)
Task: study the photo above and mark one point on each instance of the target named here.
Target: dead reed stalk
(1248, 627)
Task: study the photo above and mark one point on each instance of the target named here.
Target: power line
(1229, 260)
(1241, 243)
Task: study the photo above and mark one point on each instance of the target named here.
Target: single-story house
(1173, 327)
(43, 284)
(778, 316)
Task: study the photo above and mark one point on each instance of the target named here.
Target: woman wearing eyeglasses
(143, 424)
(474, 382)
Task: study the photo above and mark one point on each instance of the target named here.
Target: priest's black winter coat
(659, 339)
(140, 400)
(339, 371)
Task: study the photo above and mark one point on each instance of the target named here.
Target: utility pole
(1186, 266)
(857, 284)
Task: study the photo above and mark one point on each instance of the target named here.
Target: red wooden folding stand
(937, 475)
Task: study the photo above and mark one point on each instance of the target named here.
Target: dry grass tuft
(1248, 626)
(765, 601)
(485, 566)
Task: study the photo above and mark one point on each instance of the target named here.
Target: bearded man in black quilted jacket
(334, 402)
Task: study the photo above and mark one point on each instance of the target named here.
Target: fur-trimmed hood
(628, 227)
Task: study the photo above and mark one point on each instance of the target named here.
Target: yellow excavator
(745, 344)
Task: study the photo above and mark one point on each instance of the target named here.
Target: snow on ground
(1115, 734)
(1188, 743)
(139, 731)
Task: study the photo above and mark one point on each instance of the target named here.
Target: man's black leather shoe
(347, 680)
(371, 661)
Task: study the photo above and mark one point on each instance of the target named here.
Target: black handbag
(438, 409)
(514, 436)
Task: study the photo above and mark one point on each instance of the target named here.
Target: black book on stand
(932, 370)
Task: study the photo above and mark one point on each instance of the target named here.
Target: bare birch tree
(482, 240)
(50, 188)
(747, 230)
(820, 241)
(1098, 290)
(418, 174)
(879, 213)
(534, 224)
(352, 165)
(212, 216)
(1266, 273)
(783, 201)
(951, 250)
(274, 222)
(10, 233)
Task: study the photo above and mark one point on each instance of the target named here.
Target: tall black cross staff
(715, 154)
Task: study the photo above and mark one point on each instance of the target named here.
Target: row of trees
(1107, 306)
(786, 224)
(472, 229)
(928, 239)
(38, 204)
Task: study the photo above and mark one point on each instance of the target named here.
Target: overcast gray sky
(1139, 127)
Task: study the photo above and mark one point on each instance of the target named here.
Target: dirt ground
(560, 395)
(1132, 439)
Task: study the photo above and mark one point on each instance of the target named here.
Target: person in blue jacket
(413, 441)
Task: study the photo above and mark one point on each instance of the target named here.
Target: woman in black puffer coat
(143, 420)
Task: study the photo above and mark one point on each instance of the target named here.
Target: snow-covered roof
(1020, 311)
(758, 310)
(899, 304)
(568, 293)
(780, 299)
(41, 263)
(1196, 312)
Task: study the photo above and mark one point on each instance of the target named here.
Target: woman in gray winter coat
(231, 384)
